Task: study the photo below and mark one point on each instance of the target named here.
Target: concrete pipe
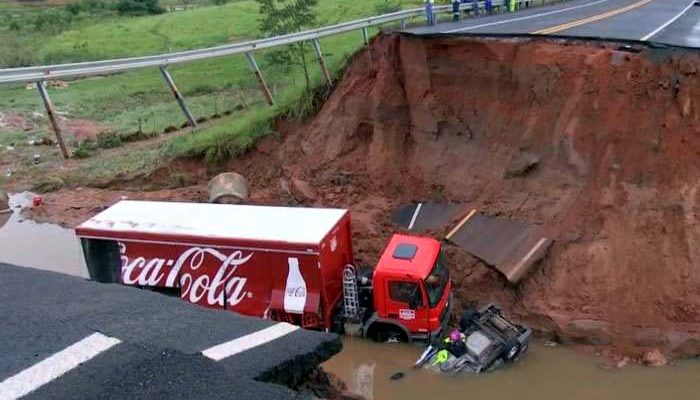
(228, 188)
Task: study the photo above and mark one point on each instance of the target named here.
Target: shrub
(108, 140)
(139, 7)
(388, 6)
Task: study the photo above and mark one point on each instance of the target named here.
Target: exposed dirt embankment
(617, 135)
(618, 138)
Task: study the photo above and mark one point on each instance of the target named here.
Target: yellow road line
(593, 18)
(461, 223)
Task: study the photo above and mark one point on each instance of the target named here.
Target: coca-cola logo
(299, 291)
(224, 287)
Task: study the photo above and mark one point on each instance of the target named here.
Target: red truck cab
(412, 290)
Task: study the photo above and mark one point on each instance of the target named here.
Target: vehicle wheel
(388, 335)
(465, 322)
(512, 351)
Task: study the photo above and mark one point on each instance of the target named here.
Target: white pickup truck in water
(485, 341)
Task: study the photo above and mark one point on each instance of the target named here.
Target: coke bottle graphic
(295, 291)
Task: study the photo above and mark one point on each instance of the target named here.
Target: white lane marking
(54, 366)
(667, 23)
(247, 342)
(468, 28)
(415, 215)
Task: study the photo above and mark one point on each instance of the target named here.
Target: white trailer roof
(263, 223)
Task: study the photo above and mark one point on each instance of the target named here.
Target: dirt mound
(617, 135)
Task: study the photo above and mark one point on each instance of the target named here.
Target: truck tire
(388, 334)
(465, 322)
(512, 351)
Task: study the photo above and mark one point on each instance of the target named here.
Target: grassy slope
(139, 100)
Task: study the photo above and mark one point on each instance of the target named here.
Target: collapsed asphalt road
(64, 337)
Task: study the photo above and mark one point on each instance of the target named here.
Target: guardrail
(41, 74)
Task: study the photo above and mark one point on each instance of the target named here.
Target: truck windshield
(437, 280)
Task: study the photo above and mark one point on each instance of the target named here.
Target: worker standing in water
(429, 12)
(455, 10)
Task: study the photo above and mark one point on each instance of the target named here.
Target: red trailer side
(273, 262)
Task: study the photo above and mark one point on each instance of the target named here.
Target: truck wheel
(388, 335)
(512, 351)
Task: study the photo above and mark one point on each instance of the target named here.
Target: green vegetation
(137, 104)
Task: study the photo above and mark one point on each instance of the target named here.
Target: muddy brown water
(545, 373)
(366, 367)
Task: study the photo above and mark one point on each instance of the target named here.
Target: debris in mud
(654, 358)
(302, 189)
(324, 385)
(522, 163)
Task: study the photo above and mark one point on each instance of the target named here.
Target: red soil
(618, 137)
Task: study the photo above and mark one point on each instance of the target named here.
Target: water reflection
(43, 246)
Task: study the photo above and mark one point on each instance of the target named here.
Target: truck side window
(403, 291)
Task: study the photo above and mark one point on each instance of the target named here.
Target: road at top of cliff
(674, 22)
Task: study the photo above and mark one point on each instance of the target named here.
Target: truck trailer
(290, 264)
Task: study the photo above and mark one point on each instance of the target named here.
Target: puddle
(544, 374)
(43, 246)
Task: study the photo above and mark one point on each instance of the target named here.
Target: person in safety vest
(453, 344)
(429, 12)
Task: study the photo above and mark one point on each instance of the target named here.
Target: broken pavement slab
(160, 347)
(512, 247)
(422, 217)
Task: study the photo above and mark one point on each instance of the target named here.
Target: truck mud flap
(512, 247)
(422, 217)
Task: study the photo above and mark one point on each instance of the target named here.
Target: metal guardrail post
(180, 100)
(52, 118)
(365, 35)
(322, 61)
(403, 23)
(258, 75)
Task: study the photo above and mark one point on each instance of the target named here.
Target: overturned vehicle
(484, 341)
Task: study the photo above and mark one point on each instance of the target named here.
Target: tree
(280, 17)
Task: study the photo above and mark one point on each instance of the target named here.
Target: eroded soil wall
(617, 133)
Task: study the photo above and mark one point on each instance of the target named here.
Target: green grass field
(139, 100)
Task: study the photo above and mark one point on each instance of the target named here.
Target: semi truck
(290, 264)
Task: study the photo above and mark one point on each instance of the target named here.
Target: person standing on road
(429, 12)
(455, 10)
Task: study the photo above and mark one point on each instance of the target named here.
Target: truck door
(407, 304)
